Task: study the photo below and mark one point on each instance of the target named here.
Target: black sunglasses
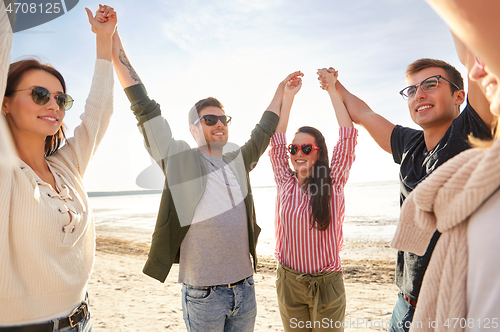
(211, 120)
(429, 84)
(41, 96)
(306, 148)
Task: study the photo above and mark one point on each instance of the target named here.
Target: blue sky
(238, 51)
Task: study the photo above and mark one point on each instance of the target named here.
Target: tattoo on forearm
(123, 58)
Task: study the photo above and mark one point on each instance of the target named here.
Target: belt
(76, 317)
(236, 283)
(407, 299)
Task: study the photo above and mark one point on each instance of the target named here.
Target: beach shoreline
(124, 299)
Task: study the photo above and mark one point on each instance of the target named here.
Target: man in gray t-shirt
(206, 221)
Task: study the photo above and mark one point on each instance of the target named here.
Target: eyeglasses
(211, 120)
(429, 84)
(479, 63)
(41, 96)
(306, 149)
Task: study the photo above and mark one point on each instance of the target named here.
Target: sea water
(372, 211)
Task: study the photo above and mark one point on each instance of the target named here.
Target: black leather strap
(76, 317)
(236, 283)
(47, 327)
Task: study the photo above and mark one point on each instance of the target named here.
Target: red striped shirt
(297, 245)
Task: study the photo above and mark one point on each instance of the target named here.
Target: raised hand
(327, 77)
(275, 104)
(104, 26)
(105, 20)
(290, 77)
(293, 85)
(289, 87)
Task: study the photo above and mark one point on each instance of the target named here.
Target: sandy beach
(124, 299)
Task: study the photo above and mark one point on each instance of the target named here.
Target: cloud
(198, 25)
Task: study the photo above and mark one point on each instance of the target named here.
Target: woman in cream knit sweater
(47, 238)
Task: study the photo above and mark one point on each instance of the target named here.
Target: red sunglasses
(306, 148)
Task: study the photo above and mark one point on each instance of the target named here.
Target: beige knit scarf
(444, 202)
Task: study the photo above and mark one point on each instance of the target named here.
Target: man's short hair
(194, 113)
(452, 73)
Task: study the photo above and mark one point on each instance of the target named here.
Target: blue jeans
(220, 308)
(402, 315)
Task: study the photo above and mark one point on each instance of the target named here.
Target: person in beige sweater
(461, 288)
(47, 238)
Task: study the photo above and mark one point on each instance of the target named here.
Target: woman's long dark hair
(319, 182)
(16, 72)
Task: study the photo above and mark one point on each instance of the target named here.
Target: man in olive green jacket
(206, 221)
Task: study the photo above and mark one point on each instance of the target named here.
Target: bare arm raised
(104, 30)
(124, 70)
(126, 74)
(290, 86)
(157, 133)
(330, 77)
(379, 128)
(475, 94)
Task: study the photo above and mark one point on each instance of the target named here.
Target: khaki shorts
(310, 302)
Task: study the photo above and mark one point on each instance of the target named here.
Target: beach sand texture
(124, 299)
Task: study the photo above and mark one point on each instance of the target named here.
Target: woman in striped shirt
(309, 215)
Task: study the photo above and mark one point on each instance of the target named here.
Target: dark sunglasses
(427, 85)
(41, 96)
(211, 120)
(306, 149)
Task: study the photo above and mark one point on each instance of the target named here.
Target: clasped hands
(105, 19)
(327, 78)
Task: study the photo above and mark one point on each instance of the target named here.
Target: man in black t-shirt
(434, 95)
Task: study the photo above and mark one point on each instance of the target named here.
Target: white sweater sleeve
(80, 148)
